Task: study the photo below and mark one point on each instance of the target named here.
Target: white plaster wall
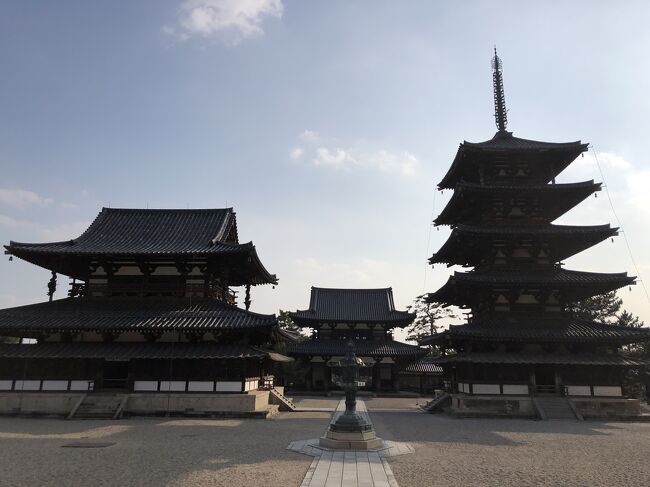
(200, 386)
(228, 386)
(486, 389)
(579, 390)
(172, 385)
(81, 385)
(515, 389)
(27, 385)
(608, 391)
(145, 385)
(55, 385)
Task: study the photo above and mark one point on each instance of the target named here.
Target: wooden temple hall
(150, 309)
(520, 340)
(365, 316)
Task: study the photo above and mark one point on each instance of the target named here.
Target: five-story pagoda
(520, 339)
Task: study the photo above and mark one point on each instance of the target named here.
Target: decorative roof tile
(541, 359)
(363, 348)
(132, 313)
(121, 231)
(548, 330)
(423, 366)
(505, 143)
(151, 234)
(471, 201)
(352, 305)
(122, 351)
(463, 287)
(468, 245)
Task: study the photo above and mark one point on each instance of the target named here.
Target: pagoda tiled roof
(505, 142)
(569, 240)
(131, 314)
(543, 330)
(149, 233)
(125, 351)
(363, 348)
(352, 306)
(541, 359)
(576, 283)
(557, 277)
(546, 230)
(560, 197)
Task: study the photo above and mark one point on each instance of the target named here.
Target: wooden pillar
(532, 386)
(395, 376)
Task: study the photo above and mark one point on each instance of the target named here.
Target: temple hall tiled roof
(548, 330)
(147, 233)
(118, 231)
(130, 313)
(352, 305)
(423, 366)
(363, 348)
(124, 351)
(542, 359)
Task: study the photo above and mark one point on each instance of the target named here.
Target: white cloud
(338, 158)
(309, 136)
(233, 20)
(403, 162)
(361, 155)
(21, 199)
(296, 153)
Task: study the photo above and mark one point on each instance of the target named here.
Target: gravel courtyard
(202, 452)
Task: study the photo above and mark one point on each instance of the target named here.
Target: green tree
(286, 323)
(427, 317)
(603, 308)
(607, 309)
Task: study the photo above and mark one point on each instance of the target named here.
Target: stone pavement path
(348, 468)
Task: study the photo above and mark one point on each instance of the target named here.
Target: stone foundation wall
(55, 404)
(604, 407)
(60, 404)
(490, 405)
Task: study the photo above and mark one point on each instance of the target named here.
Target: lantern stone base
(366, 440)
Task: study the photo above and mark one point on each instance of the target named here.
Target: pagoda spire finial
(500, 112)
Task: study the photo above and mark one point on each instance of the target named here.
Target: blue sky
(325, 124)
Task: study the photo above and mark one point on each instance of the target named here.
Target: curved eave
(462, 289)
(434, 339)
(542, 359)
(363, 348)
(263, 276)
(300, 319)
(456, 250)
(522, 332)
(76, 264)
(132, 314)
(452, 213)
(566, 151)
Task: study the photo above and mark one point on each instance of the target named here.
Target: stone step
(556, 408)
